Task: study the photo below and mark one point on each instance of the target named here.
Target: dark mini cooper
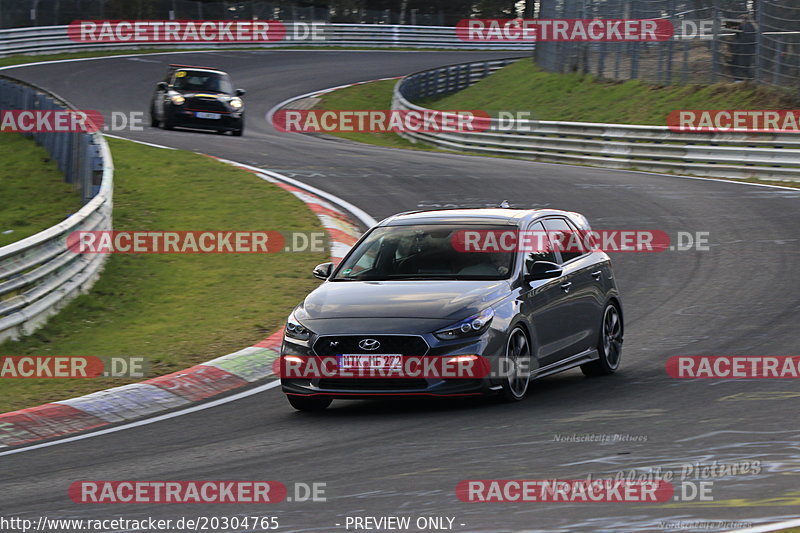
(408, 288)
(197, 97)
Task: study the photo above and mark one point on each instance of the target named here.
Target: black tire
(517, 363)
(240, 130)
(309, 403)
(167, 124)
(609, 345)
(154, 122)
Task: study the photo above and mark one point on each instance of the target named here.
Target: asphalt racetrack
(384, 458)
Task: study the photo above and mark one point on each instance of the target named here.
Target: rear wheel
(309, 403)
(517, 366)
(609, 345)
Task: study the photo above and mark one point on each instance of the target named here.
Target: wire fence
(714, 41)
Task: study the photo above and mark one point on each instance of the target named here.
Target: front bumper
(488, 345)
(376, 387)
(188, 119)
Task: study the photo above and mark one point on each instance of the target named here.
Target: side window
(543, 250)
(566, 239)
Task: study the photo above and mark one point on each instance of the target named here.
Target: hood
(451, 300)
(203, 94)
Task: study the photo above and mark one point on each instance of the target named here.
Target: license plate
(200, 114)
(371, 361)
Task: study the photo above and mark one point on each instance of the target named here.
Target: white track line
(286, 102)
(146, 421)
(362, 215)
(140, 142)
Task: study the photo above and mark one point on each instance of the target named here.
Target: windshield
(423, 252)
(191, 80)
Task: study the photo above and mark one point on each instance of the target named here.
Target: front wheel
(309, 403)
(609, 345)
(240, 130)
(167, 123)
(517, 364)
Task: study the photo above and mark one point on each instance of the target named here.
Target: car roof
(174, 67)
(490, 215)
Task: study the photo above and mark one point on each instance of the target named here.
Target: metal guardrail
(38, 274)
(48, 39)
(770, 156)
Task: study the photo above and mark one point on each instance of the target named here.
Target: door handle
(597, 275)
(566, 286)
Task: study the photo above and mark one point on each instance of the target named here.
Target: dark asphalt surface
(741, 297)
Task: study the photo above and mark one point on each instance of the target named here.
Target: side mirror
(162, 85)
(240, 92)
(323, 271)
(543, 270)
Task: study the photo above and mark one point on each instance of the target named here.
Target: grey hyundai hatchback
(410, 287)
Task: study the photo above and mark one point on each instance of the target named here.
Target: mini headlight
(295, 330)
(177, 99)
(474, 325)
(236, 103)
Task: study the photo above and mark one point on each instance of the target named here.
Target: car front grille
(376, 384)
(209, 105)
(389, 344)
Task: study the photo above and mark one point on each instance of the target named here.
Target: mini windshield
(191, 80)
(423, 252)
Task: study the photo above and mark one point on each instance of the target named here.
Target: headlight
(474, 325)
(236, 103)
(295, 330)
(177, 99)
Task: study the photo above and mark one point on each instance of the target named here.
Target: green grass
(33, 195)
(177, 310)
(375, 95)
(583, 98)
(565, 97)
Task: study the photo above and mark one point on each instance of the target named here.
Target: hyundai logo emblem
(369, 344)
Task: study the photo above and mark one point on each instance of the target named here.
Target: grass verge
(33, 195)
(176, 310)
(565, 97)
(521, 86)
(374, 95)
